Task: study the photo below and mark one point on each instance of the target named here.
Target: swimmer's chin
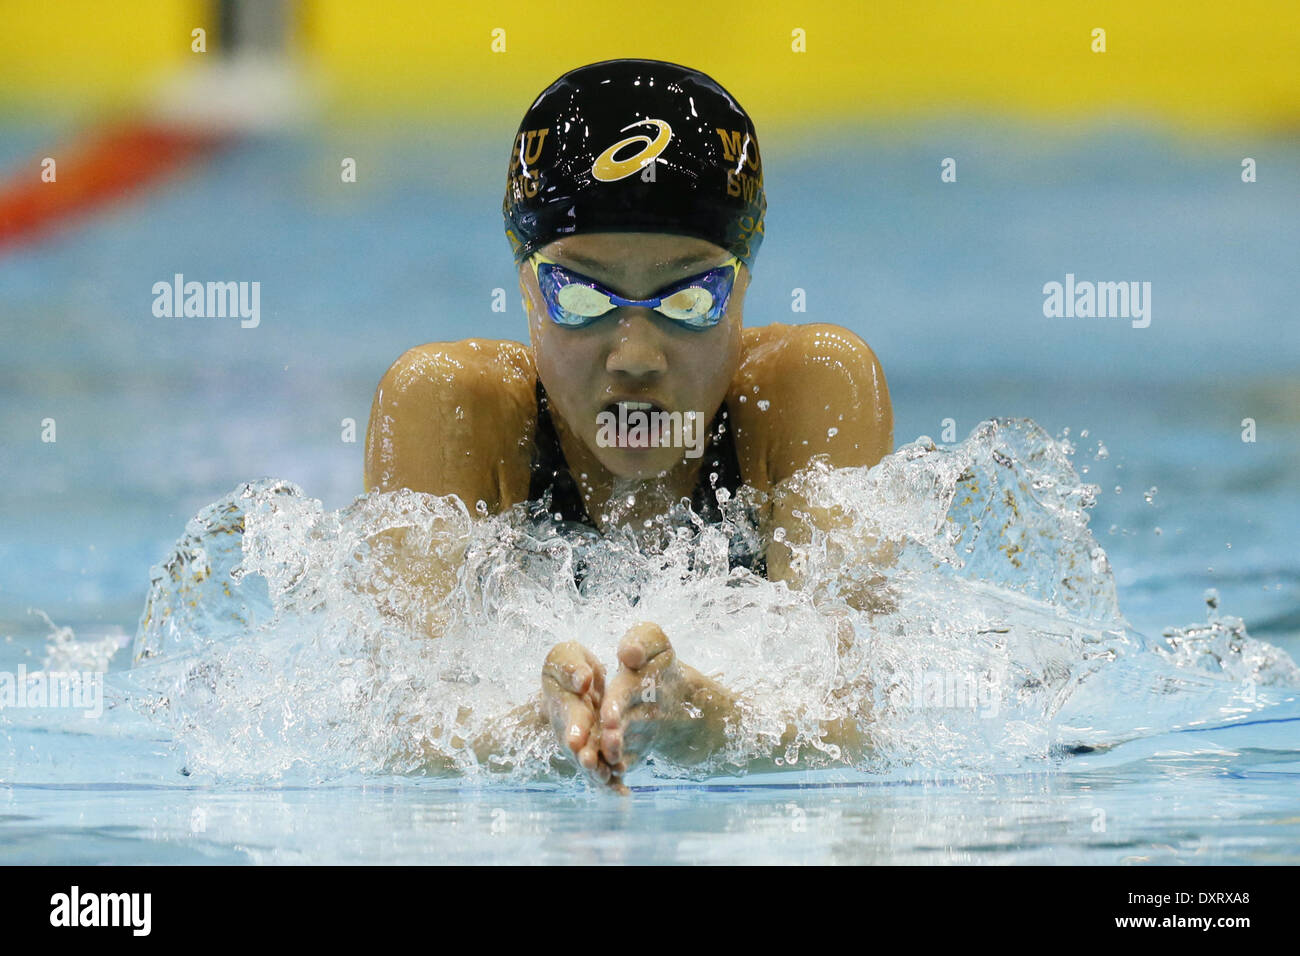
(638, 464)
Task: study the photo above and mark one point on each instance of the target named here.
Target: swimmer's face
(632, 352)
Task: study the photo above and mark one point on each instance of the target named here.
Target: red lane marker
(106, 166)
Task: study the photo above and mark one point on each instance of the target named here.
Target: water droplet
(631, 500)
(1102, 452)
(743, 399)
(1118, 489)
(1150, 494)
(832, 432)
(1229, 545)
(1158, 531)
(481, 507)
(778, 534)
(764, 404)
(1084, 433)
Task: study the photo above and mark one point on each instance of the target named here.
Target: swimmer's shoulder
(803, 391)
(455, 418)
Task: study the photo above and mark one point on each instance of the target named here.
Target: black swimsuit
(551, 481)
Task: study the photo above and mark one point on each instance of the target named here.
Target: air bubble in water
(1150, 494)
(764, 404)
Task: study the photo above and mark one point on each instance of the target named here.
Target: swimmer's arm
(448, 418)
(825, 396)
(831, 402)
(792, 513)
(715, 711)
(432, 413)
(498, 746)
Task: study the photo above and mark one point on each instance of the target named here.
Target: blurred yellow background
(1191, 63)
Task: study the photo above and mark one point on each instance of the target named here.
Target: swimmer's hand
(573, 688)
(657, 704)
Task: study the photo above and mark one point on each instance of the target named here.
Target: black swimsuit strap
(550, 471)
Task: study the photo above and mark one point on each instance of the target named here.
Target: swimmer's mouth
(636, 425)
(648, 408)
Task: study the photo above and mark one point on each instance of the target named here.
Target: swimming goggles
(574, 301)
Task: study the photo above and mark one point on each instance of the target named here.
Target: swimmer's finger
(641, 644)
(589, 756)
(622, 696)
(612, 722)
(567, 665)
(597, 687)
(573, 721)
(593, 762)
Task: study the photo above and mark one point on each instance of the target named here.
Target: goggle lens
(574, 301)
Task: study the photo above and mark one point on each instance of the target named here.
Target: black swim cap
(588, 147)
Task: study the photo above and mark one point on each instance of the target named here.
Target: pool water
(1114, 746)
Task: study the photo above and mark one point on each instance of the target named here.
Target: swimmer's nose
(637, 349)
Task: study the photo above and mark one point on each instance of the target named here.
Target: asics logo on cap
(608, 170)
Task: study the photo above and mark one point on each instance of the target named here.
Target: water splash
(959, 613)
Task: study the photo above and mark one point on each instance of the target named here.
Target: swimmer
(635, 210)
